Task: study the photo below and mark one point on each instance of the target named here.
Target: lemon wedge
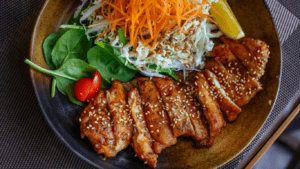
(227, 22)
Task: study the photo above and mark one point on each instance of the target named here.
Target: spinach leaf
(116, 54)
(122, 37)
(72, 44)
(66, 76)
(109, 67)
(66, 87)
(49, 44)
(169, 71)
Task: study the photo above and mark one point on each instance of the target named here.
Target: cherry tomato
(85, 88)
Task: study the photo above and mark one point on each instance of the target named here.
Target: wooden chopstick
(273, 137)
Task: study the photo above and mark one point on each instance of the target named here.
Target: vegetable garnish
(226, 20)
(141, 18)
(85, 88)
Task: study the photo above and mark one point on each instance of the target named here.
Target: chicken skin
(211, 108)
(141, 140)
(95, 124)
(194, 110)
(156, 117)
(228, 107)
(253, 53)
(241, 86)
(121, 121)
(174, 105)
(238, 90)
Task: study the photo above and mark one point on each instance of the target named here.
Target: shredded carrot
(146, 19)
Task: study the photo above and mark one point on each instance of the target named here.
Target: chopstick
(273, 137)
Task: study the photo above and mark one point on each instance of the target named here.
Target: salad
(122, 38)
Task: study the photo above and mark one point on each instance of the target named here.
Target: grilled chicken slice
(211, 108)
(253, 53)
(228, 107)
(156, 118)
(245, 85)
(195, 112)
(239, 90)
(95, 124)
(141, 140)
(223, 54)
(174, 105)
(121, 121)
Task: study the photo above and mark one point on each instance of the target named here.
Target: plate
(62, 115)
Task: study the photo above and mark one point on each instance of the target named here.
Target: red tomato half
(85, 88)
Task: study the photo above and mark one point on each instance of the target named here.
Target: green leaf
(72, 69)
(66, 76)
(116, 54)
(66, 87)
(122, 37)
(169, 71)
(49, 44)
(72, 44)
(108, 66)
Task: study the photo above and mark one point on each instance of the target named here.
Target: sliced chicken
(141, 140)
(253, 54)
(121, 121)
(194, 110)
(174, 105)
(228, 107)
(223, 54)
(95, 124)
(211, 108)
(156, 118)
(245, 85)
(240, 91)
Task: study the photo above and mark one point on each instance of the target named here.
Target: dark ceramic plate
(62, 115)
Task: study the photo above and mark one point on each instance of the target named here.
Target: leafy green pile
(72, 56)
